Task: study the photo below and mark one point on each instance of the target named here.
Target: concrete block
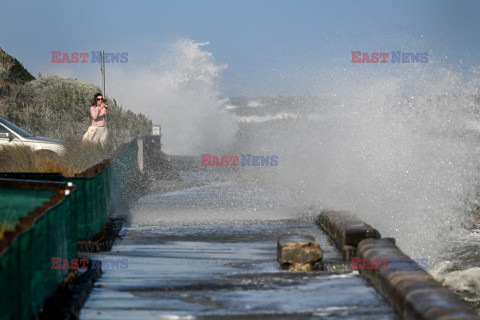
(345, 229)
(348, 252)
(299, 252)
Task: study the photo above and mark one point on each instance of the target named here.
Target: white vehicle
(11, 135)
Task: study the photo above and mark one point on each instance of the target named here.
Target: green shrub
(58, 108)
(12, 70)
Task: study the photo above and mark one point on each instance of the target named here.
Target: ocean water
(398, 147)
(408, 165)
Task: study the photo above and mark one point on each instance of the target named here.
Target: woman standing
(98, 131)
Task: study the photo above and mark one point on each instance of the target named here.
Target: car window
(3, 132)
(17, 130)
(3, 129)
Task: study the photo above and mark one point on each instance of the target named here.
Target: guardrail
(26, 277)
(48, 214)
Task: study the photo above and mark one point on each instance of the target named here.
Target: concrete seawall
(346, 230)
(412, 291)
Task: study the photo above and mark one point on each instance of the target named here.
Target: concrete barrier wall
(346, 230)
(412, 291)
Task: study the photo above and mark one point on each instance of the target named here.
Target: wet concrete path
(209, 252)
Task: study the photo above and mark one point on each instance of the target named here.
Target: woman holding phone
(97, 132)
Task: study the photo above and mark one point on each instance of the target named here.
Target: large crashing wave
(400, 150)
(180, 91)
(188, 101)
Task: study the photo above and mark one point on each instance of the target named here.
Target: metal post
(140, 154)
(102, 54)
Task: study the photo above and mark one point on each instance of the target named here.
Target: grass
(81, 155)
(78, 157)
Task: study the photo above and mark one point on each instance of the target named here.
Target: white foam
(180, 91)
(258, 119)
(254, 104)
(396, 149)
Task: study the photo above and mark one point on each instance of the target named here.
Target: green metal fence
(45, 231)
(99, 193)
(45, 221)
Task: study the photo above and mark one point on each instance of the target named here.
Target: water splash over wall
(401, 151)
(180, 91)
(189, 104)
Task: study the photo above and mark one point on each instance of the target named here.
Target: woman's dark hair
(94, 100)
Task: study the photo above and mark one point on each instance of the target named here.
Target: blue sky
(271, 47)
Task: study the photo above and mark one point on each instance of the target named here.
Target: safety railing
(38, 226)
(42, 216)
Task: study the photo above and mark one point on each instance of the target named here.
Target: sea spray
(180, 91)
(400, 150)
